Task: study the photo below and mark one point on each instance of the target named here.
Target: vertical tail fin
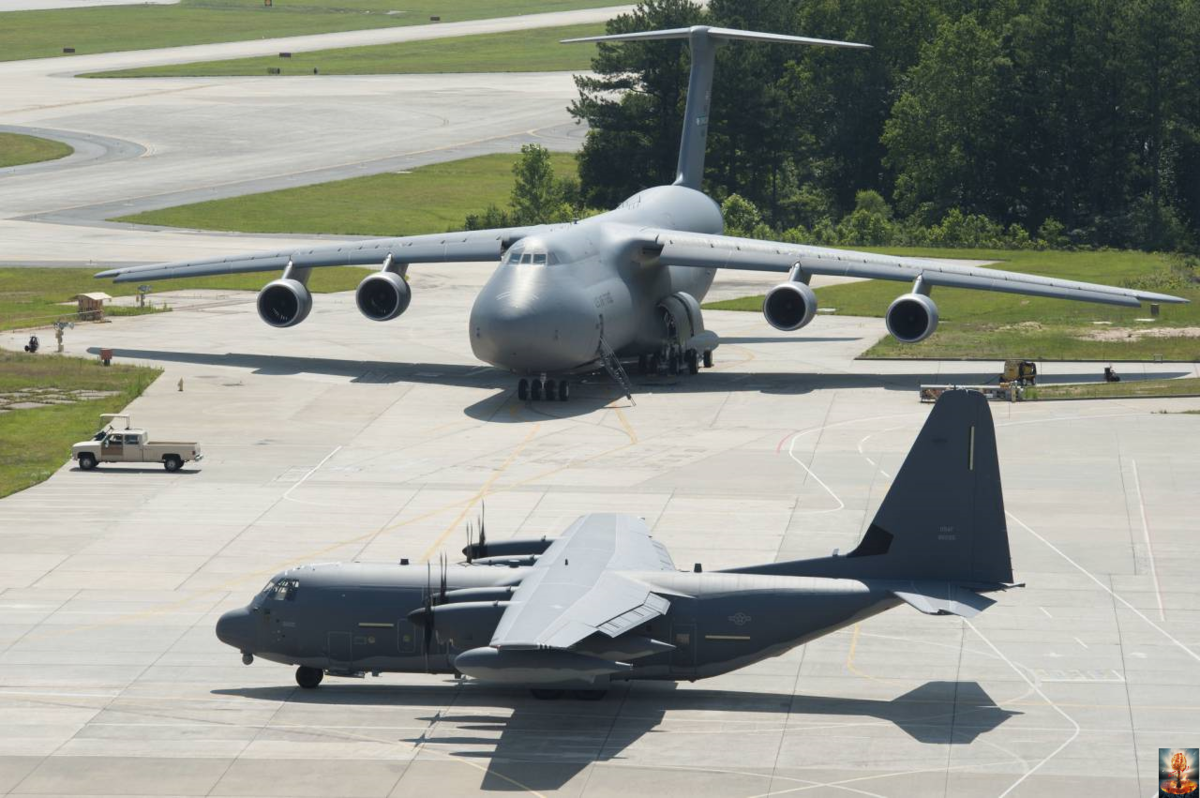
(703, 41)
(943, 517)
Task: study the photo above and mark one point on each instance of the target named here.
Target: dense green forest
(971, 122)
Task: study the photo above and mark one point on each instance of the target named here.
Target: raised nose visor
(236, 628)
(549, 329)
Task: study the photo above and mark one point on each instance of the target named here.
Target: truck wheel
(87, 462)
(172, 462)
(309, 678)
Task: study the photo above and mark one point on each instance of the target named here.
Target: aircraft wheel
(589, 695)
(546, 694)
(523, 389)
(673, 364)
(708, 358)
(693, 361)
(87, 462)
(535, 390)
(564, 391)
(652, 364)
(643, 365)
(309, 678)
(551, 391)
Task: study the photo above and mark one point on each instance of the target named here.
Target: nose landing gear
(541, 388)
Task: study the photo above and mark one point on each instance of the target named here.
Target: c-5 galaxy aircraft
(575, 298)
(604, 601)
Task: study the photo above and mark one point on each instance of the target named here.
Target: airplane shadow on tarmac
(542, 745)
(588, 393)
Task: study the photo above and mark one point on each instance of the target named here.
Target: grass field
(533, 50)
(1126, 389)
(994, 326)
(29, 297)
(44, 34)
(16, 149)
(34, 443)
(431, 199)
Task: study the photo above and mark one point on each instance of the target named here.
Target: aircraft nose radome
(236, 628)
(557, 331)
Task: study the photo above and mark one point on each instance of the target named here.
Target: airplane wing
(577, 587)
(474, 245)
(728, 252)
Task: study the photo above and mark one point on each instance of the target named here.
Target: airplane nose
(236, 628)
(555, 331)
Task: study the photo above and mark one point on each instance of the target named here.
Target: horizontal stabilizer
(719, 34)
(942, 598)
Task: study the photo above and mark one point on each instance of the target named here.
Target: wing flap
(727, 252)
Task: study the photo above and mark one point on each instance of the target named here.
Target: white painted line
(811, 473)
(288, 493)
(1137, 487)
(1106, 588)
(1080, 642)
(1043, 609)
(1045, 698)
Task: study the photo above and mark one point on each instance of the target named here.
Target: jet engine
(789, 306)
(911, 318)
(284, 303)
(383, 296)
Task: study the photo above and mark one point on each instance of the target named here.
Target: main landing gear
(541, 388)
(549, 694)
(674, 360)
(309, 678)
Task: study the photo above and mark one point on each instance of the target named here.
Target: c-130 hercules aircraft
(604, 602)
(574, 298)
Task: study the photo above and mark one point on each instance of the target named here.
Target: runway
(342, 439)
(170, 141)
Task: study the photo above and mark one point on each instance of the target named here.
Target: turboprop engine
(789, 306)
(911, 318)
(284, 303)
(383, 296)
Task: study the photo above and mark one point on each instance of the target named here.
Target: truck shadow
(542, 745)
(111, 469)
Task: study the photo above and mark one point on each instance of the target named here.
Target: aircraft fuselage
(546, 305)
(354, 618)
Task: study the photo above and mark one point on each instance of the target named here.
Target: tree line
(971, 122)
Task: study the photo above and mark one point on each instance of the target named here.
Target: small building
(91, 306)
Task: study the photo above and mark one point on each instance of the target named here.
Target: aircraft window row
(532, 258)
(283, 590)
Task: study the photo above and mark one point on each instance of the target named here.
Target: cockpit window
(284, 590)
(539, 260)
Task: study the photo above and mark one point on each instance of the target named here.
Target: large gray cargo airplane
(604, 602)
(576, 298)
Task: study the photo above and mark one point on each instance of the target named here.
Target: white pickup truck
(127, 445)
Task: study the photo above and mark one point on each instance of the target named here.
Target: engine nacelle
(284, 303)
(464, 625)
(506, 548)
(911, 318)
(789, 306)
(383, 296)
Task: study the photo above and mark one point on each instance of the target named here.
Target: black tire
(643, 365)
(523, 390)
(551, 392)
(535, 390)
(309, 678)
(172, 462)
(673, 364)
(589, 695)
(546, 694)
(708, 358)
(652, 364)
(564, 391)
(87, 462)
(693, 361)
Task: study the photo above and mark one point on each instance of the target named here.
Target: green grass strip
(17, 149)
(533, 50)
